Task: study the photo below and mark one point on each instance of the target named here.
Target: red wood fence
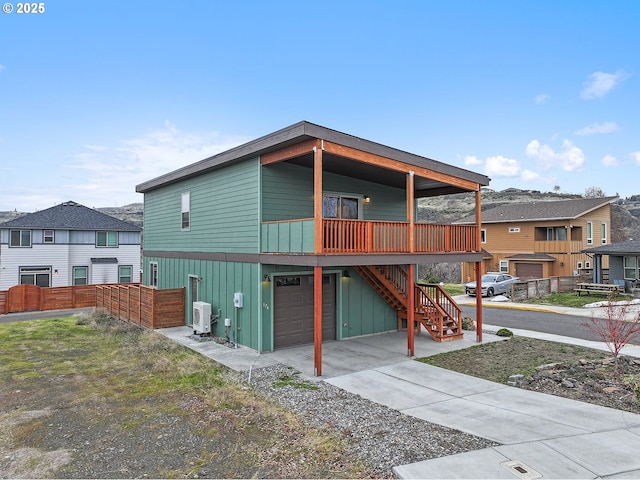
(145, 306)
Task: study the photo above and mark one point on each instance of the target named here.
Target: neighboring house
(68, 244)
(542, 239)
(623, 261)
(312, 233)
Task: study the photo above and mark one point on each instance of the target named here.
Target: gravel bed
(381, 436)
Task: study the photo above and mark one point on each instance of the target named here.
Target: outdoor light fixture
(345, 274)
(266, 278)
(366, 199)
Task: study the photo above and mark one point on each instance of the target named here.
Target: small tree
(615, 329)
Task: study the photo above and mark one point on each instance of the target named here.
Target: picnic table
(605, 288)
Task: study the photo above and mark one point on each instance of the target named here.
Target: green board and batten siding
(226, 217)
(225, 212)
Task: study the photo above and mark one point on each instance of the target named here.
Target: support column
(479, 269)
(411, 310)
(317, 321)
(318, 228)
(410, 212)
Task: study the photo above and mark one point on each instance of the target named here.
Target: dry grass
(116, 395)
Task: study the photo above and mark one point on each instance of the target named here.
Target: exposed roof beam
(289, 152)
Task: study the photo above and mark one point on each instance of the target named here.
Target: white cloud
(571, 158)
(472, 160)
(635, 156)
(595, 128)
(110, 173)
(542, 98)
(544, 154)
(609, 161)
(601, 83)
(499, 166)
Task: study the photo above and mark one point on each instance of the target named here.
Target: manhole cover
(521, 470)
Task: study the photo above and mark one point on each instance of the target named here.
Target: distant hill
(625, 214)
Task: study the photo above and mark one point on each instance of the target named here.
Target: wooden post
(411, 309)
(318, 227)
(478, 269)
(410, 212)
(317, 321)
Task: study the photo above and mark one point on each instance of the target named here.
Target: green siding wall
(225, 213)
(287, 194)
(219, 281)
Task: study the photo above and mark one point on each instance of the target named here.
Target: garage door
(528, 270)
(293, 310)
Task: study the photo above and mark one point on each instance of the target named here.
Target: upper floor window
(604, 233)
(341, 206)
(483, 235)
(49, 236)
(589, 233)
(186, 211)
(20, 238)
(514, 230)
(106, 239)
(556, 233)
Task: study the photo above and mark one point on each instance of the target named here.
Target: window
(589, 233)
(483, 235)
(339, 206)
(124, 274)
(80, 275)
(631, 265)
(49, 236)
(40, 276)
(514, 230)
(153, 274)
(556, 234)
(604, 233)
(579, 266)
(186, 210)
(106, 239)
(20, 238)
(587, 264)
(504, 266)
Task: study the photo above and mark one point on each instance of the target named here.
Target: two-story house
(542, 239)
(68, 244)
(307, 234)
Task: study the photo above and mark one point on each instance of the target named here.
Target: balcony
(558, 246)
(367, 237)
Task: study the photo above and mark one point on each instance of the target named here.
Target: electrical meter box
(238, 300)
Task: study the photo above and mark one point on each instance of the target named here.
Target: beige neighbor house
(542, 239)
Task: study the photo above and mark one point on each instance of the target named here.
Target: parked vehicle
(493, 283)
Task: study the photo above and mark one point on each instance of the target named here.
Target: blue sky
(99, 96)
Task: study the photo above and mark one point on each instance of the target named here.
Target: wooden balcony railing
(367, 236)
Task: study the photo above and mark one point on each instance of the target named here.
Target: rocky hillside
(129, 213)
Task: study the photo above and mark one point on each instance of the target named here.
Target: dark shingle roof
(538, 211)
(631, 247)
(71, 216)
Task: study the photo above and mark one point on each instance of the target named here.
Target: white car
(493, 283)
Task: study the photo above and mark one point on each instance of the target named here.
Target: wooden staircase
(435, 310)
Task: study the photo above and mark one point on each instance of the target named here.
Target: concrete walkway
(540, 436)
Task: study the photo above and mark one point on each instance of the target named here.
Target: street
(555, 323)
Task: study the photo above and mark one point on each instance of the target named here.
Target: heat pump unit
(201, 318)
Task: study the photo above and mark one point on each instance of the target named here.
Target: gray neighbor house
(306, 235)
(68, 244)
(624, 262)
